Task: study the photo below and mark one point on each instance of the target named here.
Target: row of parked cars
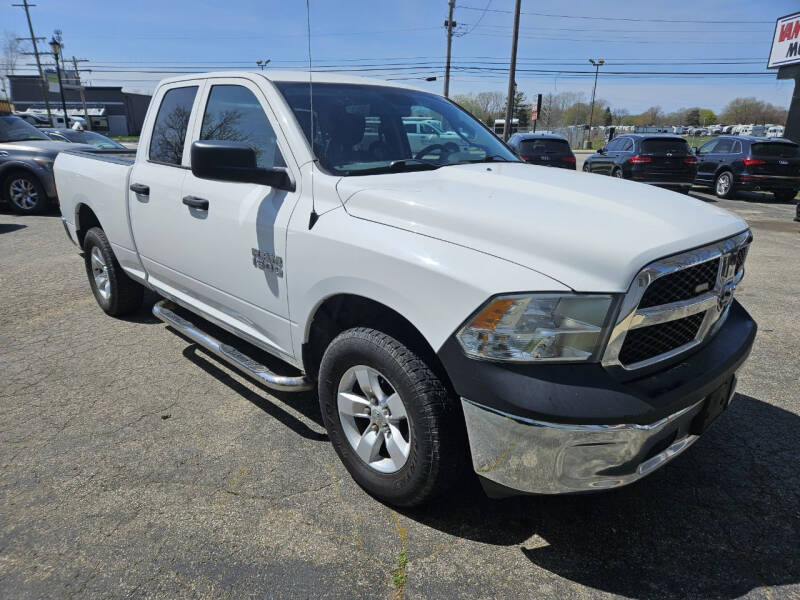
(726, 163)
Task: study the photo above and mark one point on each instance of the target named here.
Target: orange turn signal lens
(490, 316)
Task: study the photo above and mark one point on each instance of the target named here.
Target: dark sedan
(750, 163)
(662, 160)
(543, 149)
(74, 136)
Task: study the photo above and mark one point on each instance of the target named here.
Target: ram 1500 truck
(560, 332)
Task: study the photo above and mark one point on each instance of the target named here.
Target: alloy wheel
(100, 273)
(723, 184)
(374, 419)
(23, 194)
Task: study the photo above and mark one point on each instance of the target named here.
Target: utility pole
(512, 84)
(597, 64)
(75, 62)
(55, 46)
(45, 90)
(450, 24)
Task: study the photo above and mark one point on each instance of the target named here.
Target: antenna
(313, 217)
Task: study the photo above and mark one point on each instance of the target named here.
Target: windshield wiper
(399, 166)
(487, 158)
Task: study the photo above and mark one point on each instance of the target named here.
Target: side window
(410, 127)
(234, 114)
(169, 131)
(737, 147)
(723, 146)
(707, 147)
(628, 145)
(426, 129)
(613, 144)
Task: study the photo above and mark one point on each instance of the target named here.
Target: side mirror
(235, 161)
(601, 150)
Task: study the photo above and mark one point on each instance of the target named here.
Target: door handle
(141, 189)
(195, 202)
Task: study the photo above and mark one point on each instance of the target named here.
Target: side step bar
(164, 311)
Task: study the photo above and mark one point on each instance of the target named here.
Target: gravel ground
(135, 465)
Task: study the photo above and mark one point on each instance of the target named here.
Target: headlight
(531, 327)
(45, 163)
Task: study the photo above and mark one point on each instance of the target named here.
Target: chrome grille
(675, 303)
(682, 285)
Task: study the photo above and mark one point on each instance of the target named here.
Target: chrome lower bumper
(550, 458)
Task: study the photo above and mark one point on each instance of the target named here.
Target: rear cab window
(664, 146)
(538, 147)
(172, 121)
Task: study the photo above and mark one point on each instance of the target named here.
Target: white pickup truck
(559, 332)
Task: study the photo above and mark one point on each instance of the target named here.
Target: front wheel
(617, 173)
(26, 194)
(115, 292)
(587, 168)
(390, 418)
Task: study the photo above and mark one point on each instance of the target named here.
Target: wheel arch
(343, 311)
(12, 167)
(85, 219)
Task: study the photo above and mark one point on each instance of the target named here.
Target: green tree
(522, 110)
(608, 119)
(707, 116)
(692, 117)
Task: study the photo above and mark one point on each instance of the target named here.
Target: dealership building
(111, 110)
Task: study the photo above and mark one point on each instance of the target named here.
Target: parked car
(543, 149)
(556, 333)
(26, 165)
(743, 162)
(662, 160)
(80, 136)
(774, 131)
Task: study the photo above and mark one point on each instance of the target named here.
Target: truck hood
(44, 147)
(589, 232)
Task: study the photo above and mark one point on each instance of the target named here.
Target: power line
(556, 16)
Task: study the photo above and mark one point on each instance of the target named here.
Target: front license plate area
(716, 402)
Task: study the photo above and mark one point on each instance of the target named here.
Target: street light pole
(597, 64)
(449, 24)
(55, 46)
(512, 84)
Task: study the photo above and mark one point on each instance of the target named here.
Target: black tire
(438, 451)
(587, 167)
(722, 191)
(785, 195)
(617, 173)
(16, 183)
(123, 295)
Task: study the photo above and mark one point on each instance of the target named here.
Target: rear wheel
(390, 419)
(723, 185)
(617, 173)
(115, 292)
(25, 193)
(785, 195)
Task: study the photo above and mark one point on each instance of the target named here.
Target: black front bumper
(590, 394)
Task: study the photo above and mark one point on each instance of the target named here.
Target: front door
(234, 252)
(707, 161)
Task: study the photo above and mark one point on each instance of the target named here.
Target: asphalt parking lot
(135, 465)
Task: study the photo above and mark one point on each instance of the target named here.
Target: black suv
(662, 160)
(750, 163)
(543, 149)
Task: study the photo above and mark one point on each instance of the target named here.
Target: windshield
(665, 146)
(14, 129)
(777, 149)
(90, 137)
(360, 129)
(543, 146)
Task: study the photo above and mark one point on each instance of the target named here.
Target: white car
(555, 331)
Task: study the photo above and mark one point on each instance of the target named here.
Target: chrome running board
(164, 311)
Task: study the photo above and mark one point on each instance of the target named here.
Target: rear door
(233, 254)
(156, 212)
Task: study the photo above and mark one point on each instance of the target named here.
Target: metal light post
(263, 63)
(55, 46)
(597, 64)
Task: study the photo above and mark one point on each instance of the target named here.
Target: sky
(135, 44)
